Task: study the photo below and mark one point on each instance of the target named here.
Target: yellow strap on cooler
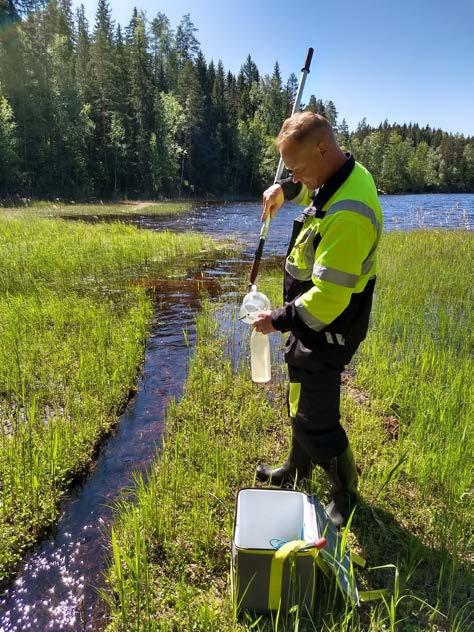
(276, 572)
(278, 562)
(276, 569)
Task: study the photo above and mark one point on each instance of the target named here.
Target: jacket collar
(325, 192)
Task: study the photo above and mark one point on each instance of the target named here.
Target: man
(329, 283)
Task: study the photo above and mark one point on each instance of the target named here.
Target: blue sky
(405, 61)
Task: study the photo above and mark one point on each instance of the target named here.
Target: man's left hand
(263, 323)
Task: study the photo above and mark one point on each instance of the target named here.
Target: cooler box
(269, 571)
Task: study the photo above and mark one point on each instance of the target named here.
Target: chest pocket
(300, 261)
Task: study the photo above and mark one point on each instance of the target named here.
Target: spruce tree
(82, 56)
(140, 100)
(343, 132)
(102, 72)
(331, 113)
(291, 90)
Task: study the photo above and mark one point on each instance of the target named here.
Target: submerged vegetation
(406, 408)
(72, 328)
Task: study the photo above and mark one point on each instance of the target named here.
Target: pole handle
(254, 271)
(309, 57)
(279, 171)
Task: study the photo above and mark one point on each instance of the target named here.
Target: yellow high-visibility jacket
(331, 262)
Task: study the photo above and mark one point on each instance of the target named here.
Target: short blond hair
(303, 126)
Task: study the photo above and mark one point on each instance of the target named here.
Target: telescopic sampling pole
(279, 171)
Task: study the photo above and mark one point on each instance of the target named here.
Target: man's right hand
(273, 198)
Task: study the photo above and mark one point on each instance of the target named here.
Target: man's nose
(294, 178)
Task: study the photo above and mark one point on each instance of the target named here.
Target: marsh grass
(72, 334)
(58, 209)
(406, 407)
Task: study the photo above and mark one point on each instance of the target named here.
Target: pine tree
(312, 105)
(70, 125)
(247, 89)
(66, 25)
(195, 141)
(222, 136)
(121, 131)
(362, 130)
(271, 103)
(161, 41)
(231, 97)
(187, 45)
(316, 106)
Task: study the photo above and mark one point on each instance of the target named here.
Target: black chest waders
(315, 362)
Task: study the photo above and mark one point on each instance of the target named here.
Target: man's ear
(322, 148)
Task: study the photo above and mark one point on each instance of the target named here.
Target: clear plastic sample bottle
(260, 357)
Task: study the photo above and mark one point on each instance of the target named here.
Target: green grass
(56, 209)
(406, 408)
(73, 323)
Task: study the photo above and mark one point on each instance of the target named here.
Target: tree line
(109, 112)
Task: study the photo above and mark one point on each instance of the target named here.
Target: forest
(104, 112)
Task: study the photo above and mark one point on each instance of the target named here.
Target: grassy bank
(58, 209)
(72, 331)
(406, 408)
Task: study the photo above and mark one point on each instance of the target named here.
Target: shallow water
(56, 585)
(401, 212)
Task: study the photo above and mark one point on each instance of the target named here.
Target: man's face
(305, 161)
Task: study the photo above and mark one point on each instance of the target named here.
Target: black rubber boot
(342, 474)
(297, 466)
